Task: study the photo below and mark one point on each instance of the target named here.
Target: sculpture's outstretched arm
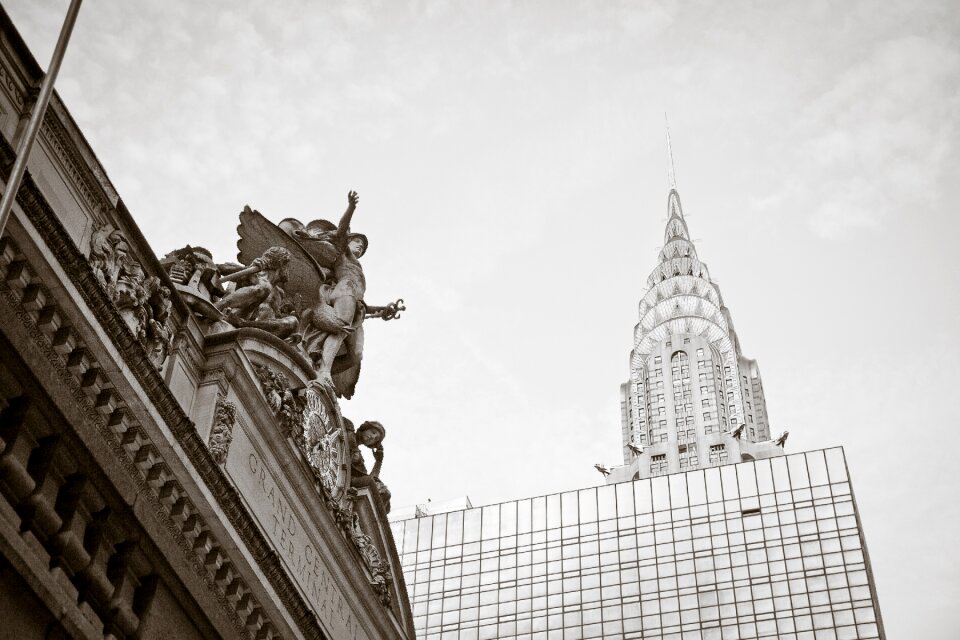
(344, 227)
(387, 312)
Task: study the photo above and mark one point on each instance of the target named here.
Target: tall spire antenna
(671, 174)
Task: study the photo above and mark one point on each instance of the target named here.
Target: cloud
(882, 135)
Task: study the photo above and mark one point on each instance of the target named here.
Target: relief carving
(222, 433)
(288, 407)
(379, 568)
(142, 300)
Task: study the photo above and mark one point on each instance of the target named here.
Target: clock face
(326, 442)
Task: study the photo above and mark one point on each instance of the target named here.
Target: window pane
(836, 465)
(508, 518)
(817, 467)
(523, 516)
(781, 478)
(410, 536)
(553, 511)
(696, 488)
(798, 471)
(471, 525)
(439, 531)
(625, 498)
(606, 502)
(538, 513)
(678, 490)
(728, 476)
(423, 535)
(588, 505)
(746, 480)
(714, 488)
(661, 493)
(491, 522)
(641, 495)
(455, 527)
(764, 476)
(569, 508)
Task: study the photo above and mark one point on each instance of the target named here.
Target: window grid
(762, 549)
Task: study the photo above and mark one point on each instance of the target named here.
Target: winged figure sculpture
(322, 283)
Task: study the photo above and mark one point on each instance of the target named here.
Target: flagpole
(36, 117)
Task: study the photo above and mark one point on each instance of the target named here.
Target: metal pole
(36, 118)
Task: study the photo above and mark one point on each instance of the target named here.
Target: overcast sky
(512, 177)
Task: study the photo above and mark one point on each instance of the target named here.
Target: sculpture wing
(257, 234)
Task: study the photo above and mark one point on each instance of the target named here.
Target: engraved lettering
(303, 561)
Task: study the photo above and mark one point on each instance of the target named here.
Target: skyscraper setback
(693, 399)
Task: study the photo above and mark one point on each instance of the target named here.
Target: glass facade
(768, 548)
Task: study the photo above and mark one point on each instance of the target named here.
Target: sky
(512, 173)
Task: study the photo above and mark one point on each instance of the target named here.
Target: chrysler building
(693, 399)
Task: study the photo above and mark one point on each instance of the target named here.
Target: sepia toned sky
(512, 173)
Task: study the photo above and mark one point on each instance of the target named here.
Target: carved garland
(283, 400)
(222, 433)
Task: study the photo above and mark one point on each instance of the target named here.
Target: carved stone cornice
(11, 86)
(55, 135)
(92, 389)
(83, 377)
(217, 376)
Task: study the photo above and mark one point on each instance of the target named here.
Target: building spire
(671, 174)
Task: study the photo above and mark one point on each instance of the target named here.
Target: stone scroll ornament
(308, 288)
(142, 300)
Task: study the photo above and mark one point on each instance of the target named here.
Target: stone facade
(152, 484)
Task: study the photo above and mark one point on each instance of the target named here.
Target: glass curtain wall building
(767, 548)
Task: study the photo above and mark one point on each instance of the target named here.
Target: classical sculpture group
(305, 285)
